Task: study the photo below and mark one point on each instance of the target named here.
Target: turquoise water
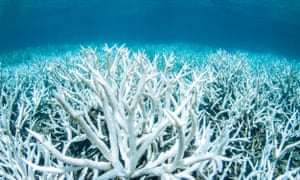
(260, 26)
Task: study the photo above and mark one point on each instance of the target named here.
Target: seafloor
(164, 111)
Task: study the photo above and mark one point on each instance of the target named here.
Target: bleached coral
(114, 113)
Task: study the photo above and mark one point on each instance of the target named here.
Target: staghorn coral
(116, 114)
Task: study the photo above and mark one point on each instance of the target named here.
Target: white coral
(118, 114)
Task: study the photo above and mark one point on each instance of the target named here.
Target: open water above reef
(260, 26)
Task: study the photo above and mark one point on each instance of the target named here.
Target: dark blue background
(260, 26)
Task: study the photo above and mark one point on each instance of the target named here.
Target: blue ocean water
(260, 25)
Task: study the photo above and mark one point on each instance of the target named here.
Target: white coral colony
(116, 114)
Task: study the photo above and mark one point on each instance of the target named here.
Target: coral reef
(116, 114)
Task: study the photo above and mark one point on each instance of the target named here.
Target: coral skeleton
(116, 114)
